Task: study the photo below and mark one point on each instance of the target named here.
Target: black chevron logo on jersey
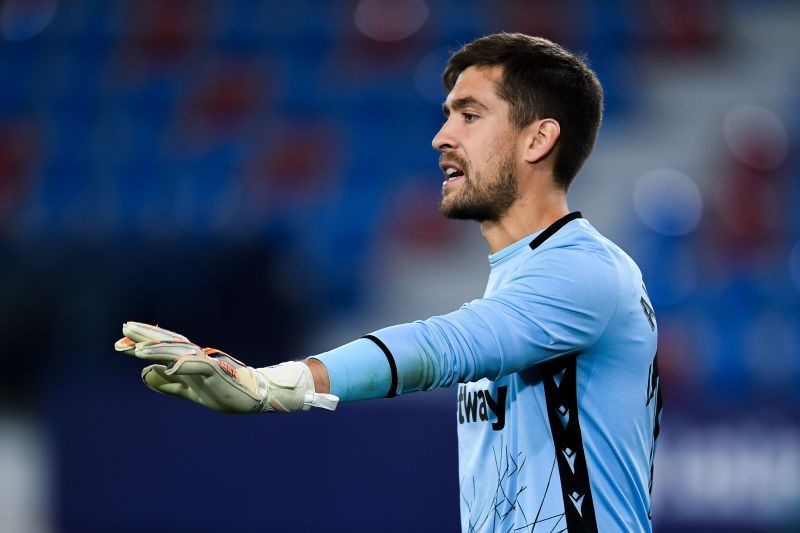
(560, 388)
(569, 455)
(577, 501)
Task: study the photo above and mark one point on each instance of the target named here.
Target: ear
(539, 139)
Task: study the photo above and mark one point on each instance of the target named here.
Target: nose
(444, 139)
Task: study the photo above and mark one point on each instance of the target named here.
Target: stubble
(484, 198)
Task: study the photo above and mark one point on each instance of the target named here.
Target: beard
(483, 198)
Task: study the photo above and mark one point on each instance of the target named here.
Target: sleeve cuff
(358, 370)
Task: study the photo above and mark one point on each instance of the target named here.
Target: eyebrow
(461, 103)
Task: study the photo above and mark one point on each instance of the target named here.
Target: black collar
(554, 227)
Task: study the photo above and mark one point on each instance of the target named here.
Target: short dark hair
(540, 80)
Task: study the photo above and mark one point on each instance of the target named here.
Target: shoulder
(579, 261)
(578, 245)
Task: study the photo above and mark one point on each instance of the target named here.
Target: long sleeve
(557, 303)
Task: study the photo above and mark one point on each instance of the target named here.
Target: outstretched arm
(554, 307)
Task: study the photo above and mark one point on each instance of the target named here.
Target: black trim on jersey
(392, 365)
(654, 389)
(554, 227)
(560, 390)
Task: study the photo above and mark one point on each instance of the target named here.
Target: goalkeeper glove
(215, 379)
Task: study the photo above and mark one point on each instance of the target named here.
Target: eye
(469, 117)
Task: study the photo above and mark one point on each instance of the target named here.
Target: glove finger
(166, 351)
(192, 365)
(202, 380)
(141, 332)
(125, 345)
(219, 354)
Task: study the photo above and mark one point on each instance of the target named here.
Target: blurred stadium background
(258, 175)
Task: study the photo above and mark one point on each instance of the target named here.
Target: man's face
(477, 142)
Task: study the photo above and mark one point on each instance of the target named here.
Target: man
(558, 395)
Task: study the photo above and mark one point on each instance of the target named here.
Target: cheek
(493, 143)
(486, 148)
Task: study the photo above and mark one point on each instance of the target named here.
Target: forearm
(358, 370)
(367, 368)
(417, 356)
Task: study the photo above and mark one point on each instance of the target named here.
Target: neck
(529, 214)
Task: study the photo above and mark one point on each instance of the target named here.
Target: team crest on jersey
(475, 406)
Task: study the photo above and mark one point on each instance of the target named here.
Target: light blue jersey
(558, 401)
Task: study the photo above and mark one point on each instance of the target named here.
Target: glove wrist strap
(321, 400)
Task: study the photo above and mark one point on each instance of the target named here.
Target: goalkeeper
(558, 396)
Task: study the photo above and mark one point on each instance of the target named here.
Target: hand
(215, 379)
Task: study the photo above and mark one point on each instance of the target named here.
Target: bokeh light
(756, 136)
(23, 19)
(668, 201)
(390, 20)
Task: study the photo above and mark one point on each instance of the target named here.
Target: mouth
(451, 172)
